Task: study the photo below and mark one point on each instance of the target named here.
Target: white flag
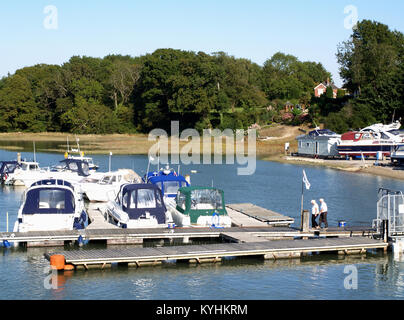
(306, 181)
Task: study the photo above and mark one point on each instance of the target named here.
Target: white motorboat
(25, 171)
(138, 206)
(70, 170)
(108, 186)
(91, 165)
(200, 207)
(370, 141)
(51, 205)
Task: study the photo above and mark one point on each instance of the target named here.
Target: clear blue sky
(253, 29)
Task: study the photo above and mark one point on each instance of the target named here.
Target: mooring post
(305, 225)
(385, 228)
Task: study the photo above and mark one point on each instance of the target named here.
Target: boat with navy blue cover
(51, 205)
(138, 205)
(7, 168)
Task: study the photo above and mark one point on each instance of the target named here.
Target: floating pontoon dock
(215, 252)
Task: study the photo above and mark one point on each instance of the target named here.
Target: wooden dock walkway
(215, 252)
(138, 236)
(247, 214)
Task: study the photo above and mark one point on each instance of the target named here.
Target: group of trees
(135, 94)
(372, 66)
(127, 94)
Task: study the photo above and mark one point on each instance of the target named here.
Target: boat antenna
(34, 151)
(148, 167)
(67, 138)
(178, 169)
(78, 145)
(158, 156)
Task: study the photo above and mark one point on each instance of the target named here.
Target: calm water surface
(351, 197)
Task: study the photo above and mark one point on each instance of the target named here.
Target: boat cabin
(51, 196)
(29, 166)
(51, 205)
(167, 180)
(142, 201)
(169, 184)
(200, 201)
(74, 165)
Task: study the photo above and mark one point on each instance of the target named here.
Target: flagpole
(301, 211)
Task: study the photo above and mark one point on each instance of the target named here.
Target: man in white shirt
(314, 213)
(323, 214)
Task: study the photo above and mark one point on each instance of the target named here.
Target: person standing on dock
(323, 214)
(314, 214)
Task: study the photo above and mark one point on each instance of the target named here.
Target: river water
(351, 197)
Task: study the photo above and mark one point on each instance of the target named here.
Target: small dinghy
(138, 206)
(199, 206)
(51, 205)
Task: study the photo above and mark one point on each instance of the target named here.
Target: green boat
(199, 206)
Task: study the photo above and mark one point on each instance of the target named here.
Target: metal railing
(390, 213)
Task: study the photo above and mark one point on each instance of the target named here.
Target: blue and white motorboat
(138, 205)
(168, 180)
(51, 205)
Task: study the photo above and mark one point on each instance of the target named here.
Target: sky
(52, 31)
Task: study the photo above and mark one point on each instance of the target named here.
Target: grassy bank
(137, 143)
(270, 147)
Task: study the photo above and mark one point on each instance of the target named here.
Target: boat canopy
(139, 199)
(48, 182)
(49, 200)
(75, 165)
(169, 184)
(196, 201)
(8, 166)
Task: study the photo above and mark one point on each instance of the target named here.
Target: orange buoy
(68, 267)
(57, 261)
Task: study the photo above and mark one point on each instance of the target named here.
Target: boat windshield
(146, 199)
(29, 166)
(106, 180)
(51, 199)
(85, 168)
(206, 199)
(171, 187)
(8, 167)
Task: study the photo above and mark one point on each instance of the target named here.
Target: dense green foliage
(372, 66)
(126, 94)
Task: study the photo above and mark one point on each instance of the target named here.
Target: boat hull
(365, 150)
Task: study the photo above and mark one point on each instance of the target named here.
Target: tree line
(372, 67)
(124, 94)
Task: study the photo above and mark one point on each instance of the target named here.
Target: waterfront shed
(319, 143)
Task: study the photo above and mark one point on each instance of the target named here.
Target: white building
(319, 143)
